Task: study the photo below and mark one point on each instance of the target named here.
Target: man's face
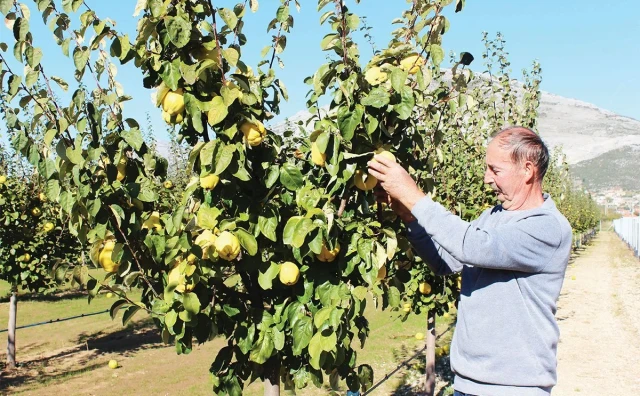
(505, 177)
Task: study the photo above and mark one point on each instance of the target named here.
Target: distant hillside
(615, 168)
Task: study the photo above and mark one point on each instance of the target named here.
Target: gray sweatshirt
(513, 265)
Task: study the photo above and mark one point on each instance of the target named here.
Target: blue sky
(588, 49)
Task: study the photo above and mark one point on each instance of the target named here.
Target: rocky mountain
(615, 168)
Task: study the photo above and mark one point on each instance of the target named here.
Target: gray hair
(525, 145)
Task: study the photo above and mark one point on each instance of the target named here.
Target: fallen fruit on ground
(113, 364)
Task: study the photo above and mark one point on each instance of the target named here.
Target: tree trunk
(430, 368)
(272, 377)
(11, 341)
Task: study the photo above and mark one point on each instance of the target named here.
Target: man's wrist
(411, 199)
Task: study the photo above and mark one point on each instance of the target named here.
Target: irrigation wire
(57, 320)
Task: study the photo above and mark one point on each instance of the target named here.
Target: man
(512, 258)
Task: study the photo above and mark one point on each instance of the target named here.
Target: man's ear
(530, 171)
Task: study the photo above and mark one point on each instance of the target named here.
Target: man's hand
(395, 181)
(400, 210)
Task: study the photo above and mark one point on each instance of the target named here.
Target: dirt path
(599, 319)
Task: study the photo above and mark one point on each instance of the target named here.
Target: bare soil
(599, 319)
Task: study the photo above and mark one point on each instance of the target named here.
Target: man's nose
(487, 177)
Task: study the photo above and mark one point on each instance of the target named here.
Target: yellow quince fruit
(317, 157)
(153, 222)
(253, 133)
(326, 255)
(205, 240)
(364, 181)
(209, 182)
(227, 245)
(48, 227)
(122, 168)
(412, 63)
(375, 76)
(173, 102)
(424, 288)
(172, 120)
(289, 273)
(105, 256)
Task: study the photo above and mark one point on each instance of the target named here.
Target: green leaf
(5, 6)
(229, 17)
(398, 78)
(247, 241)
(268, 223)
(81, 57)
(377, 98)
(437, 54)
(320, 343)
(116, 307)
(282, 14)
(218, 111)
(191, 303)
(302, 331)
(179, 31)
(128, 314)
(170, 319)
(329, 41)
(349, 120)
(34, 56)
(278, 338)
(268, 274)
(63, 84)
(360, 292)
(407, 103)
(223, 158)
(365, 375)
(171, 75)
(20, 29)
(263, 347)
(296, 230)
(133, 137)
(208, 217)
(353, 21)
(231, 55)
(291, 177)
(322, 316)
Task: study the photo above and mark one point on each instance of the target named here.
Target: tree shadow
(48, 297)
(88, 354)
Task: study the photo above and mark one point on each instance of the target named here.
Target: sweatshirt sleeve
(438, 259)
(526, 245)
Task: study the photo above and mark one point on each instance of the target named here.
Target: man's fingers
(380, 176)
(383, 160)
(376, 166)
